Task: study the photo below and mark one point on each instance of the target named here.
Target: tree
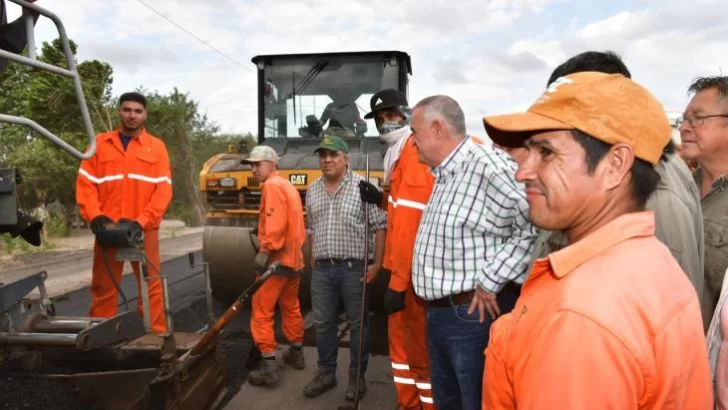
(175, 118)
(50, 100)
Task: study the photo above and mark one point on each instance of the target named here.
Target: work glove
(137, 232)
(133, 225)
(98, 224)
(261, 260)
(393, 301)
(369, 193)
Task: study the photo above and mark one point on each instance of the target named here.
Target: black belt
(339, 261)
(465, 298)
(460, 299)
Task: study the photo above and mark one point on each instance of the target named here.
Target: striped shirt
(336, 222)
(475, 228)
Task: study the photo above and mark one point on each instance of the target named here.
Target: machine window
(306, 97)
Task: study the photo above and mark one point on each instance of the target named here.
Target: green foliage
(55, 225)
(50, 100)
(9, 244)
(49, 174)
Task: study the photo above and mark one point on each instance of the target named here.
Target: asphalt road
(69, 270)
(188, 303)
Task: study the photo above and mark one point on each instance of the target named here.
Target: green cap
(333, 143)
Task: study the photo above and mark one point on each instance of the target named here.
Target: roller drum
(231, 251)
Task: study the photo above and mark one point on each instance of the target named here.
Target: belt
(459, 299)
(338, 261)
(466, 297)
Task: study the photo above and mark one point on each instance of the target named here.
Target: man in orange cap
(609, 321)
(129, 178)
(281, 233)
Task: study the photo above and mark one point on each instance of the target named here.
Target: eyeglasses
(697, 120)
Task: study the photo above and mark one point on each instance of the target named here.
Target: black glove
(369, 193)
(133, 225)
(393, 301)
(98, 224)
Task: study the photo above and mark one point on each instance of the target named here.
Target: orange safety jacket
(410, 188)
(281, 230)
(135, 184)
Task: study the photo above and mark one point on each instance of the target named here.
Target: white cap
(262, 153)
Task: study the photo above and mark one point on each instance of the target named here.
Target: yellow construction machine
(301, 98)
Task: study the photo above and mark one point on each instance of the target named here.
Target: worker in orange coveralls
(129, 178)
(281, 233)
(410, 185)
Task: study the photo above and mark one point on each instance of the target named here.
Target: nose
(684, 128)
(525, 170)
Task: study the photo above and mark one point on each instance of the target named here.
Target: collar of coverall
(143, 136)
(620, 229)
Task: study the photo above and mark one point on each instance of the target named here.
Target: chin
(688, 155)
(541, 221)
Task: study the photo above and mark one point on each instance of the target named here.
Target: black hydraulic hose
(113, 280)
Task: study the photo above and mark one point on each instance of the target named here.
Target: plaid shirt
(475, 228)
(336, 222)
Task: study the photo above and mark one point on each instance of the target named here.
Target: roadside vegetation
(48, 174)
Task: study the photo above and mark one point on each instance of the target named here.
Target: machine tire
(230, 251)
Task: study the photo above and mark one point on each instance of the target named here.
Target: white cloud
(493, 56)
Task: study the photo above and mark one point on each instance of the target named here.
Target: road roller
(301, 98)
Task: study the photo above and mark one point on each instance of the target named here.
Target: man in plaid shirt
(336, 233)
(472, 249)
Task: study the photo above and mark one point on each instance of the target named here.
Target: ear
(616, 165)
(438, 128)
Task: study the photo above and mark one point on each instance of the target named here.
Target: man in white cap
(281, 233)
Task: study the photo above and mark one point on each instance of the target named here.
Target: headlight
(228, 182)
(212, 182)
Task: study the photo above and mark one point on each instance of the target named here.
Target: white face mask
(395, 134)
(388, 127)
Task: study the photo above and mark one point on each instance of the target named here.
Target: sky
(492, 56)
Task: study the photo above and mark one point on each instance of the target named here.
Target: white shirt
(475, 228)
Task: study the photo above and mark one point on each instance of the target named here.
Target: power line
(194, 36)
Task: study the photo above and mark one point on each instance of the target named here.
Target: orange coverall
(281, 233)
(134, 184)
(411, 185)
(609, 322)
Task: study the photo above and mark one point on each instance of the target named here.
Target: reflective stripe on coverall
(410, 189)
(134, 184)
(281, 233)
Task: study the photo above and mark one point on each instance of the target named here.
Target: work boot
(351, 389)
(324, 380)
(265, 374)
(294, 357)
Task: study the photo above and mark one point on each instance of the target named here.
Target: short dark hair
(133, 96)
(705, 83)
(607, 62)
(644, 177)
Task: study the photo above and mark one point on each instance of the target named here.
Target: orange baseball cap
(609, 107)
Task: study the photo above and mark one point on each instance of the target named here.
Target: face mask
(388, 127)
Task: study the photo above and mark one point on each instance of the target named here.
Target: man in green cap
(336, 232)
